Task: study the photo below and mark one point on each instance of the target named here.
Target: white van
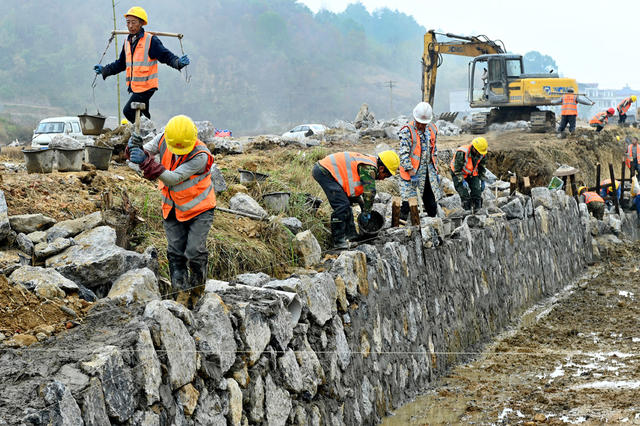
(50, 127)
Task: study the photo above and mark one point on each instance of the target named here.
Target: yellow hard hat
(581, 190)
(391, 161)
(139, 13)
(481, 145)
(181, 134)
(124, 122)
(633, 98)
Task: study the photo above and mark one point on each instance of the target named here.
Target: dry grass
(13, 152)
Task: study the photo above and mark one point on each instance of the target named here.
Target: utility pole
(113, 6)
(390, 85)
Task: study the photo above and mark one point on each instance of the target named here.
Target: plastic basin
(70, 160)
(249, 176)
(39, 160)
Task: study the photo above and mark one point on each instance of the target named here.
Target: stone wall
(342, 346)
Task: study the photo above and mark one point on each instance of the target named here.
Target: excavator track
(479, 123)
(542, 121)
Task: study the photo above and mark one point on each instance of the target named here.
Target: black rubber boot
(338, 236)
(197, 280)
(179, 277)
(404, 211)
(466, 204)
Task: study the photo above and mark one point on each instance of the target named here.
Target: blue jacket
(156, 51)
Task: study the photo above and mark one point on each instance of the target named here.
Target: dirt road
(574, 359)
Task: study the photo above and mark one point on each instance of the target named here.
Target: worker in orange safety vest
(594, 202)
(631, 158)
(623, 108)
(569, 111)
(468, 170)
(601, 119)
(140, 55)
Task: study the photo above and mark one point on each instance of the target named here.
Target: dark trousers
(475, 188)
(187, 246)
(622, 117)
(143, 97)
(342, 224)
(567, 119)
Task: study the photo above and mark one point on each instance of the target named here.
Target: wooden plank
(396, 203)
(526, 185)
(613, 188)
(597, 185)
(513, 181)
(622, 173)
(414, 211)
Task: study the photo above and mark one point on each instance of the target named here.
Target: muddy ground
(574, 359)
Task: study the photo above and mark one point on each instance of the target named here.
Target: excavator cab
(495, 72)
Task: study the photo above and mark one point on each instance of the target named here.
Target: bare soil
(575, 359)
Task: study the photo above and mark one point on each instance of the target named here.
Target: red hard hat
(611, 111)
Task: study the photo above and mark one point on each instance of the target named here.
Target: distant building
(605, 98)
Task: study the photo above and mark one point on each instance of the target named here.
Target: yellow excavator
(497, 80)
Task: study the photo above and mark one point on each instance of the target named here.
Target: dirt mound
(24, 314)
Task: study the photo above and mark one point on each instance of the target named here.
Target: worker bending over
(569, 111)
(594, 202)
(631, 159)
(345, 176)
(607, 192)
(467, 171)
(623, 108)
(139, 56)
(419, 161)
(188, 201)
(601, 119)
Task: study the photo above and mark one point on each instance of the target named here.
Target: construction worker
(594, 202)
(601, 119)
(569, 111)
(344, 177)
(607, 192)
(631, 159)
(468, 170)
(139, 56)
(623, 107)
(419, 161)
(188, 200)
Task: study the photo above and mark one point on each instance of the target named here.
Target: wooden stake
(513, 180)
(622, 174)
(396, 202)
(613, 188)
(526, 184)
(597, 185)
(413, 209)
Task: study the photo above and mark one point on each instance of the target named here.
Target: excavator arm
(462, 46)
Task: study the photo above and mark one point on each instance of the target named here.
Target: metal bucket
(69, 160)
(39, 160)
(276, 201)
(375, 224)
(99, 156)
(92, 125)
(249, 176)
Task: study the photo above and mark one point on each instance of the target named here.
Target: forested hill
(256, 65)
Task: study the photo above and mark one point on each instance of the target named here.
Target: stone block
(63, 408)
(541, 196)
(319, 294)
(94, 411)
(187, 397)
(307, 248)
(137, 285)
(513, 209)
(288, 366)
(214, 331)
(27, 223)
(235, 402)
(244, 203)
(25, 244)
(47, 249)
(5, 226)
(150, 370)
(10, 260)
(73, 227)
(277, 403)
(351, 267)
(46, 282)
(293, 224)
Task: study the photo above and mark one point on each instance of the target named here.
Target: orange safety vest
(142, 71)
(590, 197)
(469, 168)
(600, 118)
(192, 196)
(569, 105)
(343, 166)
(415, 153)
(624, 106)
(632, 152)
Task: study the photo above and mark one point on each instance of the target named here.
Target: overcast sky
(591, 41)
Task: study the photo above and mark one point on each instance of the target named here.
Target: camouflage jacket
(368, 178)
(458, 164)
(405, 148)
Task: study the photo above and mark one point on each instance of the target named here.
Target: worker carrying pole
(344, 177)
(140, 55)
(623, 107)
(468, 170)
(419, 161)
(188, 200)
(569, 111)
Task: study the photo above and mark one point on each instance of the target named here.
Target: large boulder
(27, 223)
(219, 184)
(65, 142)
(245, 204)
(70, 228)
(46, 282)
(137, 285)
(307, 248)
(214, 332)
(96, 260)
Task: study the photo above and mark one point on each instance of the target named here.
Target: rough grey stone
(277, 402)
(342, 345)
(65, 142)
(255, 333)
(70, 376)
(95, 259)
(453, 203)
(307, 248)
(367, 397)
(209, 411)
(541, 196)
(215, 332)
(117, 383)
(219, 184)
(137, 285)
(10, 260)
(244, 203)
(281, 327)
(71, 228)
(177, 344)
(255, 399)
(37, 237)
(350, 266)
(319, 294)
(254, 280)
(46, 249)
(145, 418)
(181, 312)
(27, 223)
(293, 224)
(290, 369)
(63, 408)
(513, 209)
(94, 411)
(25, 244)
(149, 371)
(235, 402)
(5, 226)
(37, 279)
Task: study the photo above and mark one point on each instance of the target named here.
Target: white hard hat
(423, 113)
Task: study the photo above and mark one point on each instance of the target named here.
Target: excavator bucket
(448, 116)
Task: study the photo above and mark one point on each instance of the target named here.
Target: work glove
(136, 155)
(98, 68)
(183, 61)
(134, 141)
(465, 184)
(415, 180)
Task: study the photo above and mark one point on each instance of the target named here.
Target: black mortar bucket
(92, 125)
(376, 222)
